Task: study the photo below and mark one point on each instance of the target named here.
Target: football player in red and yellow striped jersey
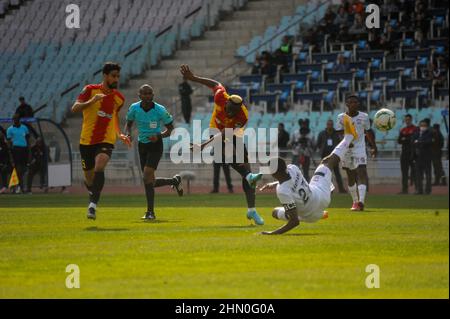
(230, 112)
(100, 105)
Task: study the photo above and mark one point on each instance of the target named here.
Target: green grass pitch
(202, 246)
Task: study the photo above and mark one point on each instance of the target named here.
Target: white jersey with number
(362, 124)
(308, 199)
(357, 154)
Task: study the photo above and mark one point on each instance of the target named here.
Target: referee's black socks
(164, 181)
(150, 195)
(97, 186)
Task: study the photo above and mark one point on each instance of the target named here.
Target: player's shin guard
(249, 193)
(97, 186)
(150, 195)
(164, 182)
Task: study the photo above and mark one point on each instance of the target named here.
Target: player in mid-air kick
(148, 115)
(355, 161)
(100, 104)
(230, 112)
(303, 201)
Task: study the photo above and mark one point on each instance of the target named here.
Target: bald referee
(230, 112)
(148, 115)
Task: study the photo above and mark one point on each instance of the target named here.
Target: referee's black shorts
(89, 152)
(150, 154)
(20, 155)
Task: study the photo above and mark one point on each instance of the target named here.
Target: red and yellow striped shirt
(219, 118)
(99, 118)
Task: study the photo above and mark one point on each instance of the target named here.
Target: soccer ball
(384, 120)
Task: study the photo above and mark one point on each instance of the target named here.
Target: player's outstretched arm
(292, 223)
(80, 106)
(189, 75)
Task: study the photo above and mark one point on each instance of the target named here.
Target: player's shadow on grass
(236, 227)
(157, 221)
(98, 229)
(304, 234)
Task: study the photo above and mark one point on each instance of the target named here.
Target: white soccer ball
(384, 120)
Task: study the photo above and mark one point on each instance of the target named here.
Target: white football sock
(252, 209)
(342, 147)
(353, 192)
(92, 205)
(362, 192)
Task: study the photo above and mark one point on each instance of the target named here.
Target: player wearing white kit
(303, 202)
(355, 161)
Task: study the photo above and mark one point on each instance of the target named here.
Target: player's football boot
(355, 207)
(149, 216)
(254, 215)
(178, 186)
(349, 127)
(325, 214)
(252, 179)
(361, 206)
(91, 213)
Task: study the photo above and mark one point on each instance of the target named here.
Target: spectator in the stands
(419, 39)
(358, 26)
(436, 150)
(283, 140)
(388, 7)
(372, 39)
(357, 7)
(421, 22)
(24, 109)
(343, 35)
(282, 60)
(341, 64)
(384, 44)
(286, 45)
(295, 137)
(391, 34)
(328, 18)
(269, 69)
(342, 17)
(256, 69)
(434, 73)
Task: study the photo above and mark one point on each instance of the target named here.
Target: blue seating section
(42, 65)
(305, 16)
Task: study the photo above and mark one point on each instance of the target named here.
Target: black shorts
(20, 155)
(89, 152)
(150, 154)
(235, 160)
